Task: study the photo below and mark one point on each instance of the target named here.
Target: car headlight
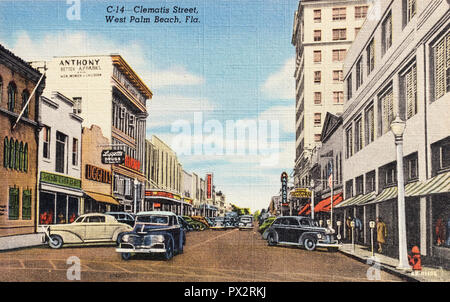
(157, 238)
(125, 238)
(319, 236)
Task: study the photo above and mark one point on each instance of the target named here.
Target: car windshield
(153, 219)
(79, 219)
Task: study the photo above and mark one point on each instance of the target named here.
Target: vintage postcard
(248, 141)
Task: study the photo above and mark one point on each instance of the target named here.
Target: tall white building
(323, 31)
(400, 65)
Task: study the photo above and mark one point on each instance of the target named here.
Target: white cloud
(281, 85)
(284, 114)
(173, 76)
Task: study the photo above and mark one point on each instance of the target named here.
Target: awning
(304, 209)
(386, 194)
(357, 200)
(437, 184)
(325, 205)
(103, 198)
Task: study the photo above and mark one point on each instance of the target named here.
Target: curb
(384, 267)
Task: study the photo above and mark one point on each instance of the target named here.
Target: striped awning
(357, 200)
(386, 194)
(325, 205)
(304, 209)
(438, 184)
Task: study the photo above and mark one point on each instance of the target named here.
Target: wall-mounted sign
(209, 184)
(98, 174)
(301, 193)
(284, 180)
(162, 194)
(113, 157)
(60, 180)
(132, 163)
(80, 67)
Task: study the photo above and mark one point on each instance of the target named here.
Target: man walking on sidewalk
(381, 234)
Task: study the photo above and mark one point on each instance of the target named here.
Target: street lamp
(312, 185)
(398, 128)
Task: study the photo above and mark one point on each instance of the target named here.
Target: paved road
(230, 255)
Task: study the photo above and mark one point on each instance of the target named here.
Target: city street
(230, 255)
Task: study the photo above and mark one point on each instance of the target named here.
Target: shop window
(25, 97)
(26, 204)
(12, 95)
(13, 207)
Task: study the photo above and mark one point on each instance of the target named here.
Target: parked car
(123, 217)
(202, 220)
(94, 228)
(219, 223)
(154, 232)
(185, 225)
(301, 231)
(210, 221)
(196, 225)
(245, 222)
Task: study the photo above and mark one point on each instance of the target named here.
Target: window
(339, 14)
(370, 51)
(60, 152)
(369, 124)
(339, 55)
(317, 77)
(338, 97)
(386, 33)
(13, 205)
(317, 119)
(359, 185)
(317, 98)
(357, 29)
(25, 158)
(95, 219)
(358, 135)
(409, 10)
(12, 94)
(349, 87)
(317, 56)
(317, 138)
(17, 155)
(46, 142)
(75, 152)
(410, 91)
(349, 188)
(388, 175)
(349, 142)
(339, 34)
(317, 16)
(360, 12)
(21, 158)
(440, 156)
(338, 76)
(26, 204)
(411, 167)
(441, 54)
(359, 73)
(370, 181)
(12, 155)
(25, 96)
(77, 105)
(387, 110)
(317, 35)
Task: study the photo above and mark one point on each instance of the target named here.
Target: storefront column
(423, 226)
(345, 224)
(365, 224)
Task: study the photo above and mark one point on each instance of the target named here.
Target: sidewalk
(21, 241)
(427, 274)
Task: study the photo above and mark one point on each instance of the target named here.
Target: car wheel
(309, 244)
(126, 256)
(55, 241)
(169, 250)
(333, 249)
(271, 240)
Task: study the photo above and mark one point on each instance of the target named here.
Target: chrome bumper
(324, 244)
(140, 250)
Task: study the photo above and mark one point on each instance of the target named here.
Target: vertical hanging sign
(284, 180)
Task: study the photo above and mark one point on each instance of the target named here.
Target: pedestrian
(358, 228)
(381, 234)
(348, 223)
(440, 232)
(414, 259)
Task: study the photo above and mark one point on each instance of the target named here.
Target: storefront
(59, 198)
(163, 201)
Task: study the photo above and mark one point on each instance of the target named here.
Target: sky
(235, 66)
